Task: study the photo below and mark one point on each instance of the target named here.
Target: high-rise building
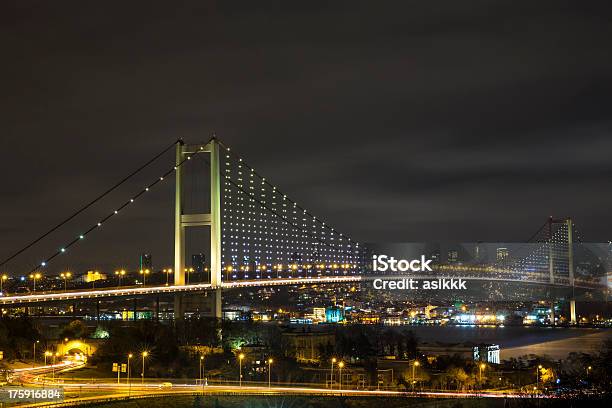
(452, 256)
(480, 253)
(146, 262)
(198, 262)
(501, 254)
(487, 353)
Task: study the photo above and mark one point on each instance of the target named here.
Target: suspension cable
(274, 212)
(89, 204)
(116, 211)
(304, 211)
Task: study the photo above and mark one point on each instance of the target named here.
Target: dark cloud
(399, 121)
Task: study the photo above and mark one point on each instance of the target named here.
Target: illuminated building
(91, 276)
(145, 261)
(317, 315)
(488, 353)
(501, 254)
(197, 262)
(334, 315)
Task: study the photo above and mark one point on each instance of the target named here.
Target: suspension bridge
(261, 237)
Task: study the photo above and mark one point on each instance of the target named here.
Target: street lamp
(128, 367)
(120, 274)
(589, 368)
(65, 276)
(34, 355)
(4, 278)
(270, 361)
(144, 355)
(47, 354)
(414, 366)
(188, 271)
(200, 372)
(144, 273)
(481, 367)
(167, 271)
(53, 369)
(34, 277)
(538, 375)
(240, 358)
(340, 367)
(333, 360)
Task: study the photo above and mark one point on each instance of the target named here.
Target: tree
(74, 330)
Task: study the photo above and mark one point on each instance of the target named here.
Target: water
(515, 341)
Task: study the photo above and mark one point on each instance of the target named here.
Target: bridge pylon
(211, 219)
(569, 225)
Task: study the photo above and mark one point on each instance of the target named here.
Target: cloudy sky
(400, 121)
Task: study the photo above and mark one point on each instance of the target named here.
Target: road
(81, 392)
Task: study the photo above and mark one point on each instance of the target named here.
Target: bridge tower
(570, 261)
(570, 265)
(211, 219)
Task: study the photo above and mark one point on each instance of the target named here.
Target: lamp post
(47, 354)
(481, 367)
(53, 369)
(4, 278)
(120, 274)
(331, 384)
(144, 273)
(538, 375)
(34, 354)
(270, 361)
(167, 271)
(65, 276)
(34, 277)
(414, 366)
(129, 357)
(188, 271)
(144, 355)
(240, 358)
(200, 372)
(129, 381)
(340, 367)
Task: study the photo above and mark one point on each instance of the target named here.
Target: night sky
(411, 121)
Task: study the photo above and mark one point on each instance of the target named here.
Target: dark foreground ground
(333, 402)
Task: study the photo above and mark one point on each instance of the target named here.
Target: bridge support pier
(570, 267)
(573, 311)
(217, 304)
(552, 313)
(157, 308)
(213, 299)
(179, 308)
